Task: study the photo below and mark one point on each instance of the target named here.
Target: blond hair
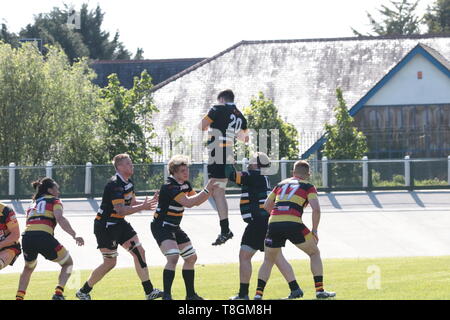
(177, 161)
(301, 168)
(118, 159)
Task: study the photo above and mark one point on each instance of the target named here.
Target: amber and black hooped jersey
(229, 121)
(291, 196)
(255, 188)
(117, 191)
(41, 214)
(7, 220)
(169, 210)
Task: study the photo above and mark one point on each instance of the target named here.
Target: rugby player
(9, 237)
(255, 187)
(226, 123)
(44, 213)
(174, 195)
(111, 228)
(286, 204)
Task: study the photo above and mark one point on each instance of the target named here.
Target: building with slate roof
(126, 70)
(395, 87)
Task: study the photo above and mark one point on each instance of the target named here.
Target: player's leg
(30, 255)
(288, 273)
(170, 249)
(134, 247)
(218, 175)
(109, 262)
(270, 256)
(187, 252)
(65, 261)
(25, 277)
(108, 250)
(309, 246)
(246, 254)
(6, 257)
(252, 241)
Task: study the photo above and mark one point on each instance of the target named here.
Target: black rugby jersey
(117, 191)
(169, 210)
(229, 121)
(255, 188)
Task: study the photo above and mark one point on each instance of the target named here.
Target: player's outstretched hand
(79, 241)
(148, 204)
(155, 197)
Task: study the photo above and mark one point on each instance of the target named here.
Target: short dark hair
(228, 95)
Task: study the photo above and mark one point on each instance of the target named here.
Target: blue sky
(202, 28)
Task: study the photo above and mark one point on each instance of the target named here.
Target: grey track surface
(353, 225)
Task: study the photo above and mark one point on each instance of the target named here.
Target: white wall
(405, 88)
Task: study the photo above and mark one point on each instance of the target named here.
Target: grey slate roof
(160, 70)
(301, 77)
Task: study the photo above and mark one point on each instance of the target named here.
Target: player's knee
(110, 259)
(172, 256)
(30, 265)
(188, 253)
(191, 259)
(2, 264)
(66, 262)
(245, 256)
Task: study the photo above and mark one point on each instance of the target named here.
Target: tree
(263, 114)
(48, 108)
(437, 17)
(139, 54)
(8, 37)
(97, 40)
(127, 118)
(87, 41)
(400, 20)
(343, 140)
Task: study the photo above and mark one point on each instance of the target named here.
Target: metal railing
(327, 175)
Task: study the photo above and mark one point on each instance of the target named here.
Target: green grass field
(399, 278)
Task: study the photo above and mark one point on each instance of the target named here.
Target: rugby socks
(168, 276)
(20, 295)
(188, 276)
(224, 226)
(86, 288)
(243, 289)
(260, 287)
(318, 282)
(148, 286)
(59, 291)
(293, 285)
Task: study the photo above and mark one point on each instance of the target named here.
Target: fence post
(283, 169)
(166, 171)
(205, 173)
(12, 179)
(49, 169)
(407, 172)
(448, 169)
(365, 172)
(88, 178)
(325, 172)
